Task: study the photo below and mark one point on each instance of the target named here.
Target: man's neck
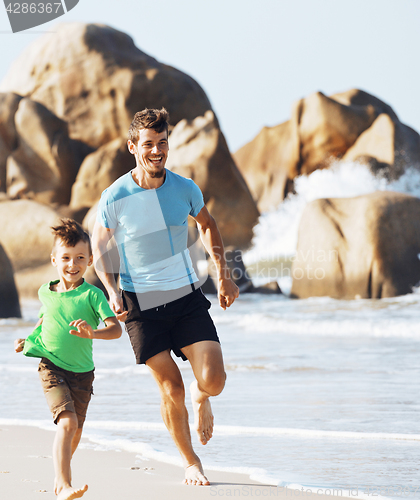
(145, 181)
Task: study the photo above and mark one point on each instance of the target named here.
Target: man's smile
(155, 159)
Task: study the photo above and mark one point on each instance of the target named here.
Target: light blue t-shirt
(151, 231)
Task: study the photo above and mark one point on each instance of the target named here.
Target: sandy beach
(26, 472)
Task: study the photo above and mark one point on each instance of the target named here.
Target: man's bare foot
(194, 476)
(70, 493)
(203, 416)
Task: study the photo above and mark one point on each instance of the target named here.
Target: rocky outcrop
(67, 135)
(362, 247)
(268, 164)
(25, 232)
(388, 146)
(8, 137)
(9, 299)
(95, 78)
(44, 164)
(198, 150)
(99, 170)
(353, 125)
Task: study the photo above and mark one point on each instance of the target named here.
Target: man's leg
(65, 443)
(174, 413)
(207, 363)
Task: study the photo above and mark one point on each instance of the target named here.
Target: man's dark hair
(155, 119)
(70, 233)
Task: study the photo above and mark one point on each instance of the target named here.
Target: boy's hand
(19, 345)
(84, 330)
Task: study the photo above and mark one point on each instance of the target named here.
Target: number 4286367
(33, 8)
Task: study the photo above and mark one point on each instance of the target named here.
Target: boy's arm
(111, 331)
(20, 343)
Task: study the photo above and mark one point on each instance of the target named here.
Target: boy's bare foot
(194, 476)
(203, 416)
(70, 493)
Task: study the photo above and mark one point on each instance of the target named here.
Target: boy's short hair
(70, 233)
(155, 119)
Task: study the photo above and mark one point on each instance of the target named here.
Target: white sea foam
(225, 430)
(341, 327)
(276, 232)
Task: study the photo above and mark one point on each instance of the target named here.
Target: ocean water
(320, 393)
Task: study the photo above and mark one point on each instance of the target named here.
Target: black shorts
(175, 325)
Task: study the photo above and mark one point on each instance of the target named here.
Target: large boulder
(44, 164)
(321, 130)
(99, 170)
(198, 150)
(25, 232)
(9, 299)
(95, 78)
(362, 247)
(357, 97)
(327, 129)
(9, 103)
(388, 146)
(267, 164)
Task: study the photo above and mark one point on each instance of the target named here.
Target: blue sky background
(254, 58)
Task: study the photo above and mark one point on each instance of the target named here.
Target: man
(146, 210)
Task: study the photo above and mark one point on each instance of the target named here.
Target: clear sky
(254, 58)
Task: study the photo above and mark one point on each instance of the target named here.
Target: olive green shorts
(65, 390)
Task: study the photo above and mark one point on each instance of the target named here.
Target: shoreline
(26, 472)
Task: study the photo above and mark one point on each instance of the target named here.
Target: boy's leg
(65, 443)
(74, 444)
(68, 395)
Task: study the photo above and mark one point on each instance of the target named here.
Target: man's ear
(131, 147)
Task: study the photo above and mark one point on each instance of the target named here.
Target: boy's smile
(71, 264)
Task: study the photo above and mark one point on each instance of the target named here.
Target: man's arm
(104, 268)
(212, 240)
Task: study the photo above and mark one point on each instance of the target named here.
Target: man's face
(151, 151)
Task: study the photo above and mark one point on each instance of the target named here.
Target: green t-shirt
(52, 339)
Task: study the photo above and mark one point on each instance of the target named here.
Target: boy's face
(71, 262)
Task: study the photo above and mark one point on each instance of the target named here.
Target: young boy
(66, 369)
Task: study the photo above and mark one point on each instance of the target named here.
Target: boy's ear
(90, 261)
(53, 261)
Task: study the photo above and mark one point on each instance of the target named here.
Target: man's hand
(117, 306)
(84, 330)
(228, 292)
(19, 345)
